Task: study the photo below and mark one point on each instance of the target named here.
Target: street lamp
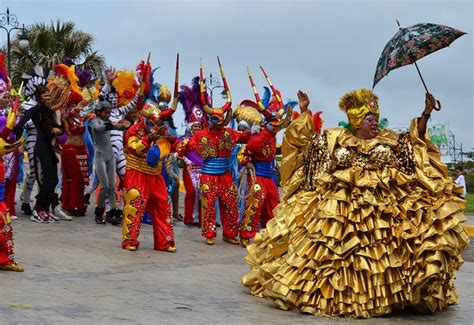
(9, 23)
(213, 83)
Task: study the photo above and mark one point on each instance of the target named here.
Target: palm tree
(50, 44)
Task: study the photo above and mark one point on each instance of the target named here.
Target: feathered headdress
(59, 89)
(358, 104)
(69, 73)
(91, 94)
(189, 99)
(126, 86)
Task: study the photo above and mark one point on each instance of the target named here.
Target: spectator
(460, 180)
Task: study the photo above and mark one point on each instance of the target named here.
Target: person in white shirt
(460, 180)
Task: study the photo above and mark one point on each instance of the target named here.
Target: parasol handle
(438, 103)
(421, 77)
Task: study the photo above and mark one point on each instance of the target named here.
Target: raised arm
(295, 140)
(123, 110)
(109, 77)
(425, 116)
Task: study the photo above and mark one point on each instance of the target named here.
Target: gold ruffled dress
(364, 227)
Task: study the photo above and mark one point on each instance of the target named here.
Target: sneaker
(39, 216)
(58, 212)
(52, 218)
(13, 217)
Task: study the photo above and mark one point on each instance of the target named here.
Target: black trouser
(45, 154)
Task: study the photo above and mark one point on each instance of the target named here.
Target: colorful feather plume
(3, 70)
(317, 121)
(126, 86)
(144, 69)
(267, 95)
(345, 125)
(154, 87)
(69, 73)
(189, 98)
(68, 62)
(291, 103)
(84, 77)
(383, 124)
(96, 90)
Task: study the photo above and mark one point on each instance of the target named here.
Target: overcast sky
(324, 47)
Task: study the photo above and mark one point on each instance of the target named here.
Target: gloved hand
(10, 119)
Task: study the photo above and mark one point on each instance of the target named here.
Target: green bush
(470, 202)
(469, 182)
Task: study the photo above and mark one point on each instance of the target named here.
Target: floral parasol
(412, 43)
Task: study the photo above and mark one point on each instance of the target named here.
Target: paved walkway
(76, 273)
(470, 223)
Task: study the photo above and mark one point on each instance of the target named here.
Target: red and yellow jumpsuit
(263, 194)
(6, 231)
(145, 189)
(215, 147)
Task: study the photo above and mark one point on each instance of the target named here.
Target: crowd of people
(369, 220)
(119, 140)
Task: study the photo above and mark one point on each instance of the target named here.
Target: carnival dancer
(7, 261)
(160, 94)
(214, 144)
(118, 89)
(123, 93)
(170, 163)
(104, 161)
(51, 99)
(195, 120)
(370, 221)
(35, 78)
(259, 155)
(248, 119)
(146, 143)
(75, 162)
(10, 160)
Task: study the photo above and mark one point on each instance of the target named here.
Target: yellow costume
(364, 227)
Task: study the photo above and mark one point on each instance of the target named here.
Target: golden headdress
(165, 94)
(358, 104)
(247, 112)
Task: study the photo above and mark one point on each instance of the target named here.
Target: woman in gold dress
(369, 222)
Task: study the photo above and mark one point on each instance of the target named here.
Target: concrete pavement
(76, 273)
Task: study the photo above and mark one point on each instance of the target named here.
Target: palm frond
(50, 44)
